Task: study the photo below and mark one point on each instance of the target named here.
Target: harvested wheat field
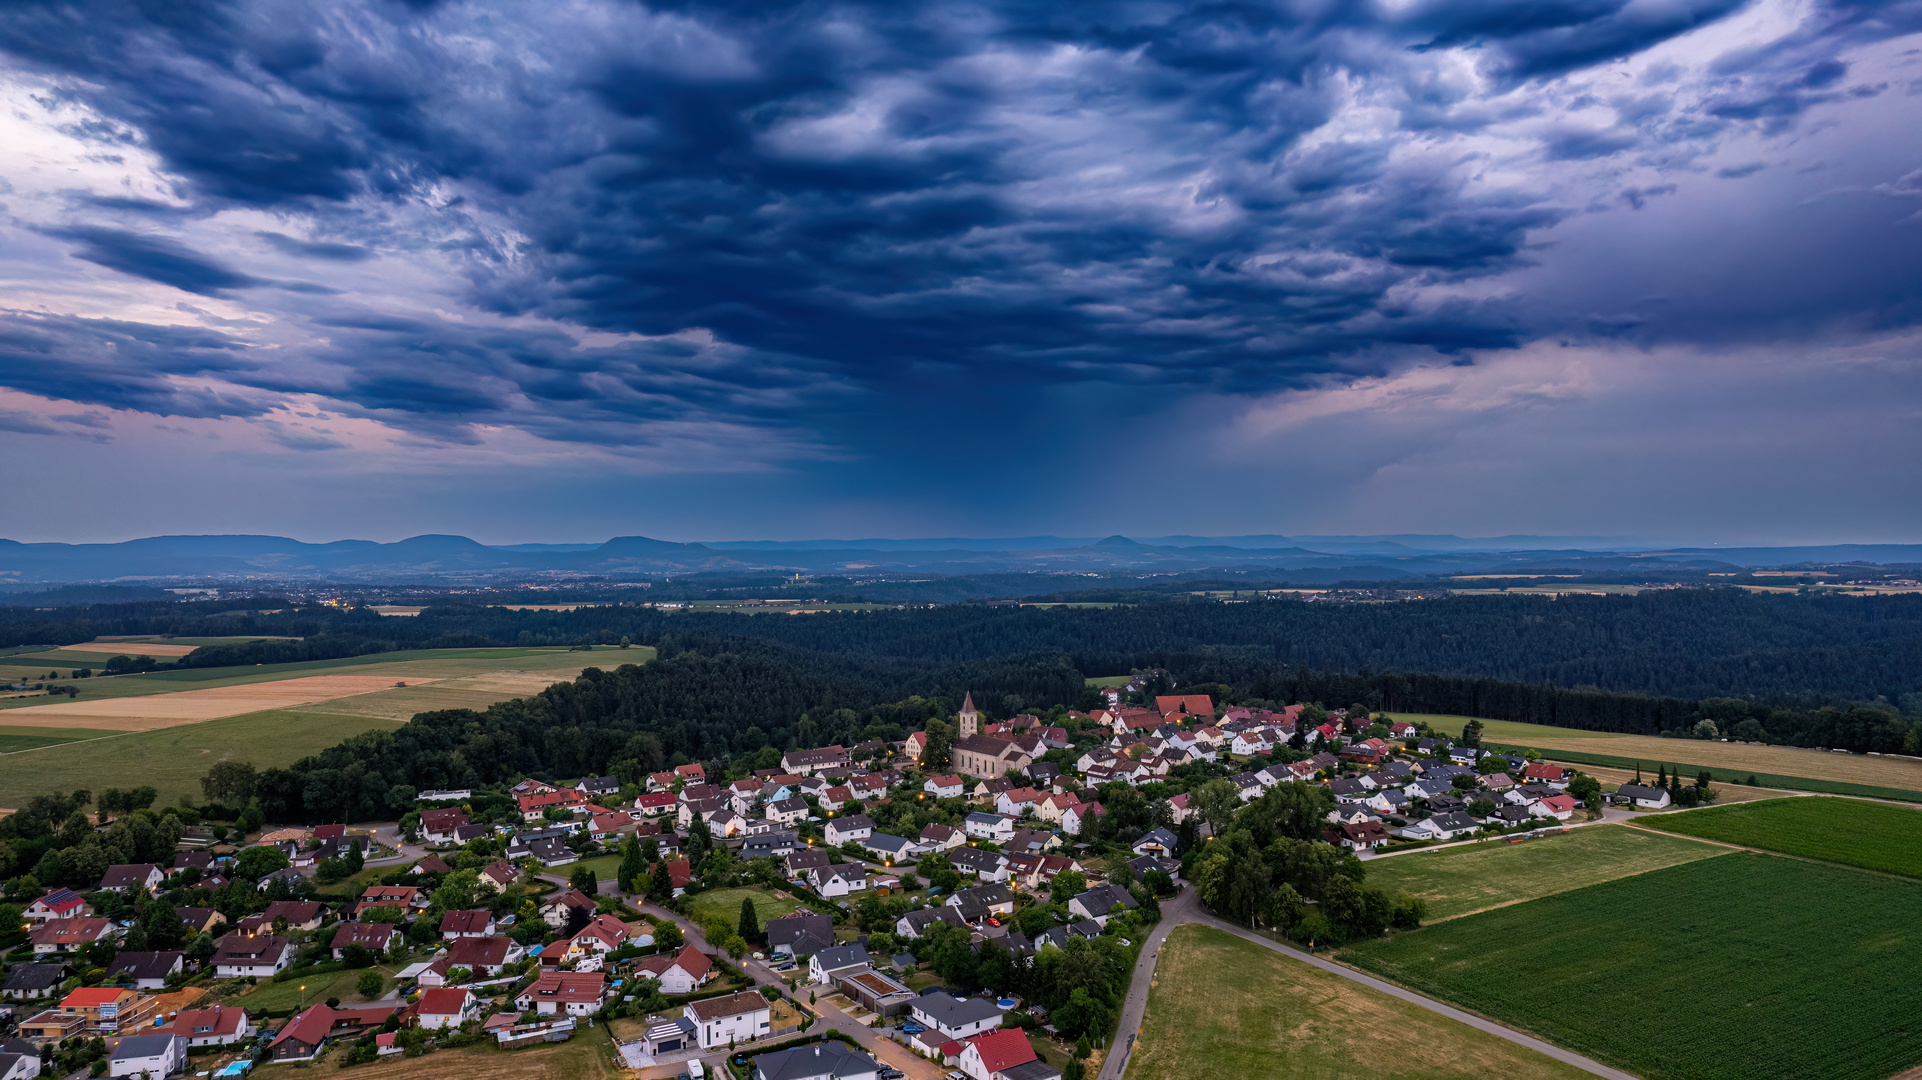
(153, 711)
(475, 692)
(1889, 772)
(129, 648)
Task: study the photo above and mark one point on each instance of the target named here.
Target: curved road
(1186, 909)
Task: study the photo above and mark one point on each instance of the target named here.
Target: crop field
(1856, 774)
(1224, 1007)
(173, 758)
(1459, 880)
(1101, 682)
(1742, 967)
(150, 711)
(1875, 836)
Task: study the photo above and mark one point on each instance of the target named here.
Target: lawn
(1743, 967)
(25, 738)
(1222, 1007)
(606, 868)
(1875, 836)
(1102, 682)
(589, 1055)
(283, 996)
(726, 904)
(1458, 880)
(1773, 766)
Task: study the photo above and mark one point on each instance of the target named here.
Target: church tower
(970, 720)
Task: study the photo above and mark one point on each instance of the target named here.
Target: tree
(1472, 733)
(229, 783)
(1216, 802)
(584, 879)
(257, 862)
(750, 927)
(633, 867)
(1067, 885)
(202, 947)
(660, 883)
(940, 749)
(1482, 809)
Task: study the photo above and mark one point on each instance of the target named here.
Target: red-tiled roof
(1003, 1048)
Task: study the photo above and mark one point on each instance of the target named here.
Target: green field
(1102, 682)
(1727, 775)
(605, 867)
(1874, 836)
(26, 738)
(287, 996)
(1226, 1008)
(1459, 880)
(1742, 967)
(726, 904)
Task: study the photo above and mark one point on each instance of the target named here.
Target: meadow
(1772, 766)
(1874, 836)
(1742, 967)
(726, 904)
(1277, 1017)
(1456, 881)
(43, 758)
(589, 1055)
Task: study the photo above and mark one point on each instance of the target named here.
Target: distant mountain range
(439, 558)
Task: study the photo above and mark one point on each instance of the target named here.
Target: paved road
(1185, 908)
(887, 1051)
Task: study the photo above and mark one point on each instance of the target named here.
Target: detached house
(568, 993)
(736, 1018)
(682, 973)
(851, 829)
(137, 877)
(58, 904)
(67, 935)
(218, 1026)
(261, 957)
(949, 786)
(374, 937)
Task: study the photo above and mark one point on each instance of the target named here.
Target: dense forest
(1799, 651)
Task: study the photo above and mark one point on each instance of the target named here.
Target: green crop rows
(1739, 967)
(1722, 775)
(1874, 836)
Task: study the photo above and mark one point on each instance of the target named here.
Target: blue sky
(560, 271)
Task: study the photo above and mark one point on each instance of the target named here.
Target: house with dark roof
(821, 1061)
(800, 935)
(770, 845)
(27, 981)
(725, 1021)
(261, 957)
(827, 963)
(303, 1037)
(132, 877)
(145, 970)
(915, 923)
(957, 1018)
(892, 849)
(979, 904)
(1644, 797)
(851, 829)
(1101, 903)
(161, 1054)
(989, 866)
(374, 937)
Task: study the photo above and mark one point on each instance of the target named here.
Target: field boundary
(1720, 775)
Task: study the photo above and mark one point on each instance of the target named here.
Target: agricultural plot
(28, 738)
(1774, 766)
(148, 712)
(1742, 967)
(1875, 836)
(1459, 880)
(1221, 1007)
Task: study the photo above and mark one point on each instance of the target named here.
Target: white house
(787, 811)
(1442, 827)
(1077, 818)
(850, 829)
(261, 957)
(736, 1018)
(834, 882)
(218, 1026)
(158, 1055)
(957, 1018)
(573, 993)
(993, 827)
(825, 964)
(1646, 798)
(944, 787)
(445, 1007)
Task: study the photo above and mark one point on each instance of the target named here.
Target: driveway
(1186, 908)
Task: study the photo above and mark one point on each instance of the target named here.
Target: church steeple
(970, 720)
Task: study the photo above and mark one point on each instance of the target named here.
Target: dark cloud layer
(873, 206)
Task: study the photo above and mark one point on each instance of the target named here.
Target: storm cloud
(718, 236)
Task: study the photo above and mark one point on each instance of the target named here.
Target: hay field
(192, 706)
(1459, 881)
(130, 648)
(475, 692)
(1887, 772)
(1226, 1008)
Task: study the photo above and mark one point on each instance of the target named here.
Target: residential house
(656, 803)
(218, 1026)
(499, 875)
(482, 957)
(876, 991)
(1077, 819)
(28, 981)
(851, 829)
(956, 1018)
(892, 849)
(1646, 798)
(439, 826)
(834, 798)
(983, 902)
(602, 935)
(809, 762)
(834, 882)
(938, 837)
(787, 811)
(948, 786)
(1033, 841)
(158, 1055)
(530, 786)
(408, 898)
(374, 937)
(303, 1037)
(109, 1010)
(988, 866)
(1543, 773)
(821, 1061)
(798, 862)
(724, 823)
(558, 910)
(534, 807)
(1363, 836)
(58, 904)
(1018, 801)
(694, 772)
(567, 993)
(1559, 807)
(870, 786)
(799, 935)
(915, 746)
(548, 847)
(770, 845)
(1004, 1054)
(1101, 903)
(598, 787)
(478, 922)
(915, 923)
(1157, 842)
(993, 827)
(1443, 827)
(682, 973)
(146, 970)
(827, 964)
(725, 1021)
(69, 935)
(1180, 807)
(703, 809)
(445, 1007)
(134, 877)
(1497, 782)
(1186, 705)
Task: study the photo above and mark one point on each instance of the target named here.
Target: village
(867, 880)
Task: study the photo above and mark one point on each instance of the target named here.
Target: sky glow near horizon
(700, 271)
